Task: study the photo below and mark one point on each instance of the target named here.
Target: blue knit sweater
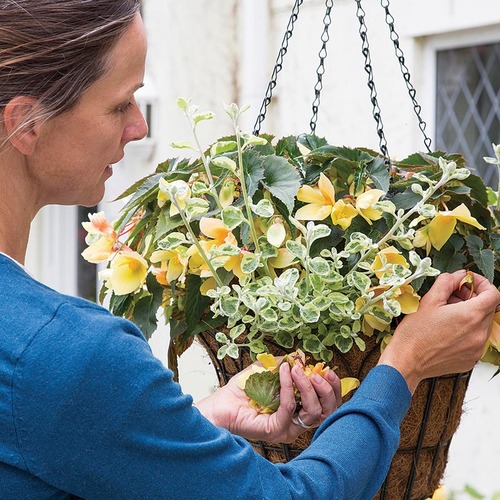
(87, 411)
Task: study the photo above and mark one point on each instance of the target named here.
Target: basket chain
(365, 49)
(277, 66)
(325, 37)
(389, 19)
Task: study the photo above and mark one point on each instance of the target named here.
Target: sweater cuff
(386, 385)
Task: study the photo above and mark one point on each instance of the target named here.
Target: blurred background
(225, 51)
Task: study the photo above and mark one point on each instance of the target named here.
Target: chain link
(278, 66)
(389, 19)
(365, 49)
(325, 37)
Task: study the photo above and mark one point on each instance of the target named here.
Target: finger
(334, 380)
(311, 406)
(287, 405)
(443, 288)
(326, 394)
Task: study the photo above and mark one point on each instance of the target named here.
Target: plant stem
(413, 210)
(196, 242)
(204, 160)
(241, 175)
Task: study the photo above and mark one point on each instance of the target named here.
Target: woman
(76, 419)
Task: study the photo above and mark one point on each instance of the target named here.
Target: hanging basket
(426, 432)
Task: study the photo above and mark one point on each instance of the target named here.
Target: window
(468, 104)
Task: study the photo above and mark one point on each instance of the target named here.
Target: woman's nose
(137, 128)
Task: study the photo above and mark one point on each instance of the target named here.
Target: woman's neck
(16, 207)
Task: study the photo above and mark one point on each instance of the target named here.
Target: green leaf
(483, 258)
(263, 209)
(296, 249)
(257, 346)
(269, 314)
(196, 303)
(361, 281)
(281, 179)
(225, 162)
(310, 313)
(199, 117)
(284, 339)
(232, 217)
(182, 145)
(319, 266)
(478, 189)
(147, 307)
(253, 169)
(312, 344)
(343, 344)
(221, 147)
(166, 223)
(317, 232)
(172, 240)
(473, 492)
(249, 263)
(195, 207)
(264, 389)
(229, 305)
(183, 103)
(378, 172)
(287, 147)
(495, 242)
(232, 351)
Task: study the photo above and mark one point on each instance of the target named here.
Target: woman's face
(76, 149)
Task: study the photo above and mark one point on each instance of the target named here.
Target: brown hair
(53, 50)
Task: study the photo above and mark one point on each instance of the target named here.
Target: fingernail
(318, 378)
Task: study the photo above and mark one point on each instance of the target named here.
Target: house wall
(224, 50)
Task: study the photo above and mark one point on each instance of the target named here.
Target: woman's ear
(20, 123)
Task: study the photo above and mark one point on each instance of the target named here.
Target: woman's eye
(124, 107)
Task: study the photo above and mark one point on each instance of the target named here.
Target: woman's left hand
(229, 407)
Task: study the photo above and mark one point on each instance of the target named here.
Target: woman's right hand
(447, 334)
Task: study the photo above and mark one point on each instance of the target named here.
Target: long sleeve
(98, 416)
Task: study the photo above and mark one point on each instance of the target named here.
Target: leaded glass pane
(468, 105)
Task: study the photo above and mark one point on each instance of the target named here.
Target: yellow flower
(127, 272)
(197, 264)
(407, 298)
(405, 295)
(99, 251)
(439, 494)
(174, 264)
(439, 230)
(215, 229)
(494, 339)
(386, 259)
(283, 260)
(321, 203)
(342, 214)
(320, 200)
(101, 238)
(276, 233)
(98, 224)
(364, 204)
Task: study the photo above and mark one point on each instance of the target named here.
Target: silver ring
(298, 421)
